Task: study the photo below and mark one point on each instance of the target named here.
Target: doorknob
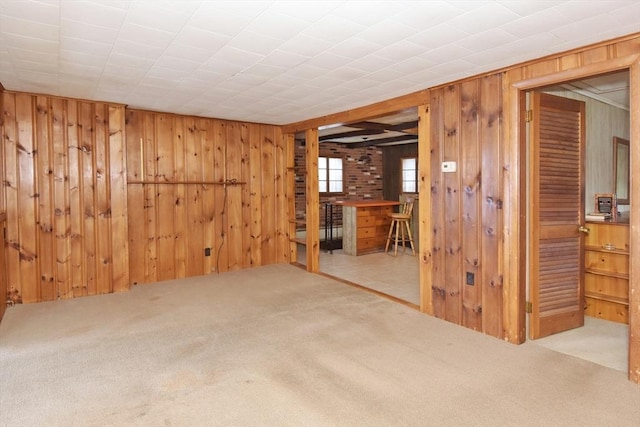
(584, 229)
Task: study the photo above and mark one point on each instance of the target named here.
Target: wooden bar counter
(365, 225)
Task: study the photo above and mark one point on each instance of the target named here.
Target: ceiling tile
(28, 28)
(151, 36)
(81, 30)
(303, 58)
(202, 39)
(250, 41)
(38, 12)
(484, 18)
(92, 13)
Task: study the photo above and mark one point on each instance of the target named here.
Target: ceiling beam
(351, 134)
(400, 127)
(400, 138)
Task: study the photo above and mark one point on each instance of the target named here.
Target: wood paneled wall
(64, 184)
(465, 124)
(196, 184)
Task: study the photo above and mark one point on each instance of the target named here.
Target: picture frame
(605, 203)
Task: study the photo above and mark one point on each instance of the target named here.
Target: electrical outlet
(207, 251)
(470, 278)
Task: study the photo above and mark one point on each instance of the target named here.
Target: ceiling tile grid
(281, 61)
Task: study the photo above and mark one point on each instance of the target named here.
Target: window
(410, 175)
(329, 175)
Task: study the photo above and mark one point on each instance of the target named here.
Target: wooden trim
(514, 199)
(515, 195)
(362, 113)
(290, 189)
(634, 229)
(312, 151)
(373, 291)
(611, 65)
(425, 236)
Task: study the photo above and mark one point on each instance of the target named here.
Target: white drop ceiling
(280, 62)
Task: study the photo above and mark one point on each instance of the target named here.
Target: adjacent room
(319, 213)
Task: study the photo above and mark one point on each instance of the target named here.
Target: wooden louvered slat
(557, 203)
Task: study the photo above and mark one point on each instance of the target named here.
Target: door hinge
(528, 116)
(528, 306)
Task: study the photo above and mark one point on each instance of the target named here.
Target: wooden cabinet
(606, 271)
(365, 225)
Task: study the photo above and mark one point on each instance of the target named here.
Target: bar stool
(400, 221)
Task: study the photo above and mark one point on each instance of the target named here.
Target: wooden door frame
(516, 198)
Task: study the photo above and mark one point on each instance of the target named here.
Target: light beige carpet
(276, 346)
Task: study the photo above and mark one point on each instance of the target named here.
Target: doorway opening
(369, 154)
(603, 336)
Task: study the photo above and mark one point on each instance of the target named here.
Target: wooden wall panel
(465, 205)
(470, 173)
(208, 187)
(451, 182)
(490, 201)
(437, 209)
(281, 201)
(60, 157)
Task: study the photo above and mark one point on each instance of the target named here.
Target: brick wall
(362, 174)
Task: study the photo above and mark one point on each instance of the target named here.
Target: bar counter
(365, 225)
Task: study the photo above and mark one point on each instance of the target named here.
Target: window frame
(327, 180)
(402, 171)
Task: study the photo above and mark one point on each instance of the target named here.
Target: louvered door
(556, 211)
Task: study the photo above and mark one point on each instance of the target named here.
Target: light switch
(449, 167)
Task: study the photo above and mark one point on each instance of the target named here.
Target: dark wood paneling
(392, 168)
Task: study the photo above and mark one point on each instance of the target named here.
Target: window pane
(408, 164)
(409, 187)
(335, 163)
(335, 186)
(329, 174)
(409, 175)
(335, 175)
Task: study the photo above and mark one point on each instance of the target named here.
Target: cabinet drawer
(606, 262)
(366, 221)
(368, 244)
(364, 232)
(368, 211)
